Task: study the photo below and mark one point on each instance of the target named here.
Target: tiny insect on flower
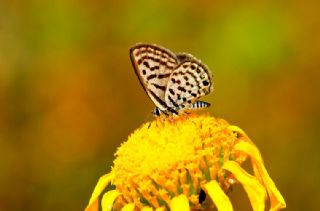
(174, 82)
(189, 163)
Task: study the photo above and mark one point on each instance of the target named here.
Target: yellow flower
(184, 163)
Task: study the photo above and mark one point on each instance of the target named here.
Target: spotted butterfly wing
(173, 81)
(188, 82)
(153, 65)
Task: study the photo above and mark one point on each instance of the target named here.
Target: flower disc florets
(189, 161)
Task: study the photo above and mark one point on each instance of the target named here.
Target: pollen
(184, 163)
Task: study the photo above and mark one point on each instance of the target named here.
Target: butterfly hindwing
(187, 83)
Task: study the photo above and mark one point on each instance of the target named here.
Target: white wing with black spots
(153, 66)
(188, 82)
(174, 82)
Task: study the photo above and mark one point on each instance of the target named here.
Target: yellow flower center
(182, 164)
(164, 159)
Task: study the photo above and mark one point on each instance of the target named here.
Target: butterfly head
(156, 112)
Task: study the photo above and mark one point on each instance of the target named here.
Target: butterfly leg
(184, 112)
(157, 112)
(165, 116)
(173, 112)
(150, 123)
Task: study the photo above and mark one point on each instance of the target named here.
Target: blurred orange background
(69, 95)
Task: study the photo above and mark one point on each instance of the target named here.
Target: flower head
(187, 163)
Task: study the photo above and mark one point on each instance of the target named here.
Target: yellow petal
(254, 189)
(179, 203)
(219, 198)
(146, 209)
(276, 199)
(108, 199)
(94, 206)
(128, 207)
(236, 129)
(101, 185)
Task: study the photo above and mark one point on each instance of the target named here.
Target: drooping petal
(180, 203)
(108, 199)
(254, 189)
(101, 185)
(219, 198)
(276, 199)
(128, 207)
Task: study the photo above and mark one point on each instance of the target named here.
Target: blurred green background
(69, 95)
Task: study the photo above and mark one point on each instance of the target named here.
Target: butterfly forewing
(153, 66)
(187, 83)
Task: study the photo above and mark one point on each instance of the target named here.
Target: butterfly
(174, 82)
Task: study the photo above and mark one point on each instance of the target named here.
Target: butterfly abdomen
(200, 104)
